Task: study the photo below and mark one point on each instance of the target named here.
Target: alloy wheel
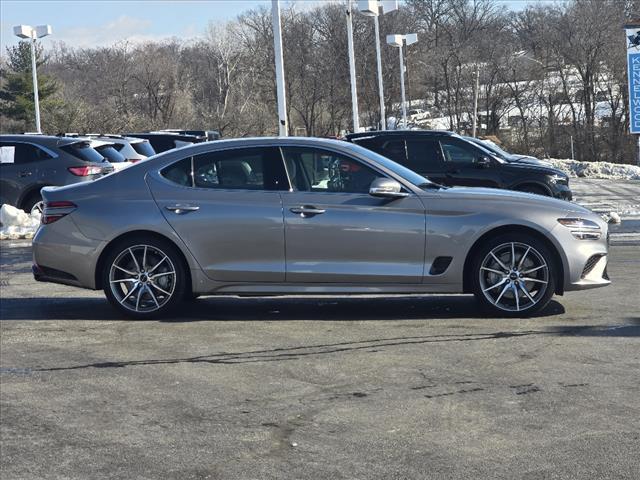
(514, 277)
(142, 278)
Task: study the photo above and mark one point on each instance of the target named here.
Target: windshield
(111, 154)
(404, 172)
(143, 148)
(83, 151)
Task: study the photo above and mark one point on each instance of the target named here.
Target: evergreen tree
(16, 92)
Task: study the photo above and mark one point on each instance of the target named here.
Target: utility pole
(352, 70)
(474, 120)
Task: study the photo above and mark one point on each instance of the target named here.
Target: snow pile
(15, 223)
(616, 171)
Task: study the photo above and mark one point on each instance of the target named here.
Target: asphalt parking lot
(354, 388)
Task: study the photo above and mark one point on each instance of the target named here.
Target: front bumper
(563, 192)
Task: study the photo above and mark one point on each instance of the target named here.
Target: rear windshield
(84, 152)
(144, 148)
(111, 154)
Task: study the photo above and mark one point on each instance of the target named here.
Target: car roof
(401, 133)
(46, 140)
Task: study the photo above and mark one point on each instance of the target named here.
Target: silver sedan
(309, 216)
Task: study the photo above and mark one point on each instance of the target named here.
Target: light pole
(474, 120)
(371, 8)
(352, 70)
(398, 41)
(277, 43)
(27, 31)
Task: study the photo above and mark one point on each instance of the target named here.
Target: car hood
(511, 197)
(529, 160)
(534, 165)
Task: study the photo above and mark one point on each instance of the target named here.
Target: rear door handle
(179, 209)
(307, 211)
(24, 174)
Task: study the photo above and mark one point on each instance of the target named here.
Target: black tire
(30, 202)
(484, 275)
(143, 299)
(533, 189)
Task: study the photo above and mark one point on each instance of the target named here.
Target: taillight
(54, 211)
(85, 171)
(135, 160)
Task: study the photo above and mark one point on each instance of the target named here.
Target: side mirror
(386, 188)
(483, 162)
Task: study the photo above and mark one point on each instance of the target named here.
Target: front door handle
(24, 174)
(179, 209)
(307, 211)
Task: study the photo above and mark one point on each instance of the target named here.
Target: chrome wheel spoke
(537, 280)
(523, 287)
(128, 272)
(152, 296)
(504, 290)
(502, 265)
(527, 272)
(138, 298)
(130, 293)
(516, 296)
(157, 265)
(153, 277)
(144, 258)
(513, 255)
(523, 257)
(492, 270)
(135, 261)
(501, 282)
(161, 290)
(122, 280)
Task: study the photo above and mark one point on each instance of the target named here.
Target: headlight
(559, 179)
(581, 228)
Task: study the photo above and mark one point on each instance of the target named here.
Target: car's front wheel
(144, 278)
(514, 275)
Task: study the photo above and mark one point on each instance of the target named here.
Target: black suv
(449, 159)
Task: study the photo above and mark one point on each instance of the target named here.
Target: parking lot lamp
(352, 69)
(27, 31)
(371, 8)
(399, 41)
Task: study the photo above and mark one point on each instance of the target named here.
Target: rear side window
(111, 154)
(26, 153)
(83, 151)
(422, 155)
(143, 148)
(396, 150)
(237, 169)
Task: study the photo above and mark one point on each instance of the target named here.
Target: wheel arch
(28, 192)
(557, 259)
(137, 233)
(533, 183)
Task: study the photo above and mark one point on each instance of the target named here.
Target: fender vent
(440, 265)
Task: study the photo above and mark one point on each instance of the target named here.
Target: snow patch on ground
(607, 170)
(16, 224)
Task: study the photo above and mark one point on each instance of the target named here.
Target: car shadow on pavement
(263, 308)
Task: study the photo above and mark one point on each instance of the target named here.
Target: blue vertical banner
(632, 33)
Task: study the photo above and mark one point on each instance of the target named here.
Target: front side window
(318, 170)
(237, 169)
(456, 152)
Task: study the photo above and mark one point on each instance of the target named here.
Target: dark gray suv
(30, 162)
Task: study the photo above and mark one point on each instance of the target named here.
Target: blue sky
(104, 22)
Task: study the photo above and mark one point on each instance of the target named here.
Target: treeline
(549, 75)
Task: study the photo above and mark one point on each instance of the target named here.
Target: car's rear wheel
(144, 278)
(33, 203)
(514, 275)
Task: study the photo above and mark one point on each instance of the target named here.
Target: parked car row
(30, 162)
